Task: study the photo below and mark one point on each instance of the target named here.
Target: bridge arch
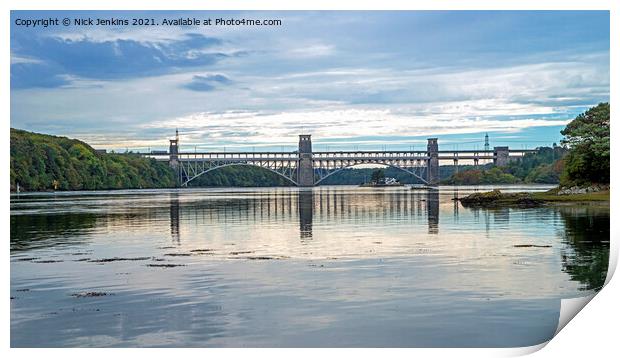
(184, 183)
(384, 164)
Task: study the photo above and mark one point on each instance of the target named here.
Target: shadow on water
(587, 234)
(47, 230)
(432, 208)
(174, 219)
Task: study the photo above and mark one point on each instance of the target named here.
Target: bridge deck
(338, 155)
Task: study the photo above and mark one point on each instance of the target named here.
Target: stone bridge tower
(174, 151)
(501, 156)
(432, 169)
(305, 169)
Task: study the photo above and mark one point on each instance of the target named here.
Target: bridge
(306, 168)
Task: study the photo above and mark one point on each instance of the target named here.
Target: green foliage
(377, 176)
(545, 173)
(543, 166)
(39, 161)
(481, 176)
(587, 137)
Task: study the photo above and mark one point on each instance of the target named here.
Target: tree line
(42, 162)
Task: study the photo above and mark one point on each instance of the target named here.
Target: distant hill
(41, 162)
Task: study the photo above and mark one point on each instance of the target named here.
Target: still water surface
(330, 266)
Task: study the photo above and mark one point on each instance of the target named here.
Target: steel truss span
(307, 168)
(189, 170)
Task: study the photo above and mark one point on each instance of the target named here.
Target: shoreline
(405, 186)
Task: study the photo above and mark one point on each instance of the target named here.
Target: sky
(351, 79)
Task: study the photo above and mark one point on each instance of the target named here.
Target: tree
(587, 137)
(377, 176)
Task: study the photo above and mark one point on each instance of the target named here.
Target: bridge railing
(352, 155)
(238, 156)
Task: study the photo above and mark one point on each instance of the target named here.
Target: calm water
(332, 266)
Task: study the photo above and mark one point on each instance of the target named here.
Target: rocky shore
(583, 190)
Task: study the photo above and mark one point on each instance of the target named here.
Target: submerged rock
(91, 294)
(28, 259)
(530, 245)
(164, 265)
(241, 252)
(275, 257)
(120, 259)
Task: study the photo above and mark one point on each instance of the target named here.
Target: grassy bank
(552, 197)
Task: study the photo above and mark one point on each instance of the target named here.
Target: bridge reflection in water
(306, 210)
(324, 205)
(174, 218)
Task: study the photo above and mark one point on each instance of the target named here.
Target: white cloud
(248, 128)
(15, 59)
(310, 50)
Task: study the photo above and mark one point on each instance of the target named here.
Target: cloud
(21, 60)
(251, 128)
(107, 60)
(207, 83)
(310, 50)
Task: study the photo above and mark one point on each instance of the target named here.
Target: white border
(592, 332)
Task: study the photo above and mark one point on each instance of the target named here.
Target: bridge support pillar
(173, 160)
(173, 151)
(305, 167)
(432, 170)
(501, 156)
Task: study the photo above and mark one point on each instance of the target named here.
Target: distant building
(101, 151)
